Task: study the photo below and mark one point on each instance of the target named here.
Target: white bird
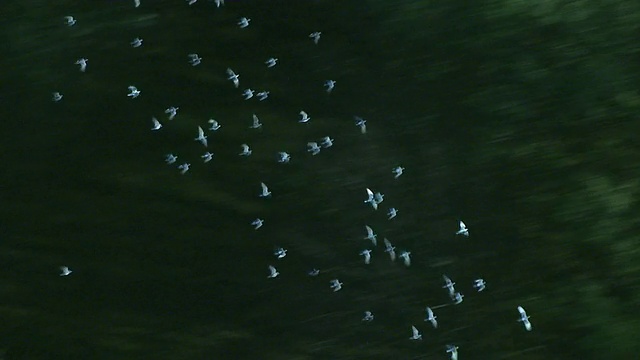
(83, 64)
(415, 334)
(313, 272)
(184, 168)
(262, 95)
(172, 111)
(207, 157)
(453, 350)
(256, 122)
(215, 126)
(326, 142)
(156, 124)
(248, 93)
(70, 20)
(243, 22)
(271, 62)
(272, 272)
(133, 92)
(463, 229)
(284, 157)
(335, 284)
(479, 284)
(371, 235)
(368, 316)
(136, 3)
(457, 298)
(191, 2)
(304, 117)
(194, 59)
(137, 42)
(431, 317)
(313, 148)
(378, 197)
(367, 256)
(330, 84)
(390, 249)
(245, 150)
(406, 256)
(449, 285)
(265, 190)
(280, 253)
(524, 318)
(397, 171)
(219, 3)
(315, 36)
(362, 124)
(170, 159)
(393, 212)
(371, 200)
(257, 223)
(56, 96)
(65, 271)
(201, 137)
(233, 77)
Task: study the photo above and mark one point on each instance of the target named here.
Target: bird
(378, 197)
(194, 59)
(367, 256)
(315, 36)
(453, 350)
(133, 92)
(313, 272)
(463, 229)
(271, 62)
(406, 256)
(184, 168)
(371, 235)
(172, 111)
(448, 284)
(243, 22)
(479, 284)
(83, 64)
(335, 284)
(457, 298)
(245, 150)
(156, 124)
(272, 272)
(280, 253)
(431, 317)
(393, 212)
(313, 148)
(284, 157)
(257, 223)
(256, 122)
(191, 2)
(233, 77)
(136, 3)
(415, 334)
(248, 93)
(361, 123)
(170, 159)
(265, 190)
(326, 142)
(207, 157)
(219, 3)
(368, 316)
(56, 96)
(262, 95)
(137, 42)
(70, 20)
(65, 271)
(524, 318)
(201, 137)
(397, 171)
(390, 249)
(304, 117)
(371, 200)
(215, 126)
(330, 84)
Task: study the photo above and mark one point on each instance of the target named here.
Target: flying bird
(463, 229)
(371, 235)
(156, 124)
(265, 190)
(272, 272)
(431, 317)
(524, 318)
(201, 137)
(415, 334)
(390, 249)
(65, 271)
(233, 77)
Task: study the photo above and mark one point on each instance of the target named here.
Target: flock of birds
(373, 199)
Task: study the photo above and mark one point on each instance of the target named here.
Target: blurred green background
(518, 117)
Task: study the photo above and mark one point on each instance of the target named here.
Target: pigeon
(313, 148)
(368, 316)
(243, 22)
(330, 84)
(390, 249)
(431, 317)
(397, 171)
(156, 124)
(272, 272)
(262, 95)
(463, 230)
(405, 255)
(248, 93)
(378, 197)
(233, 77)
(56, 96)
(271, 62)
(393, 212)
(524, 318)
(245, 150)
(201, 137)
(257, 223)
(371, 235)
(335, 284)
(371, 200)
(70, 20)
(304, 117)
(315, 36)
(367, 256)
(284, 157)
(453, 350)
(207, 157)
(170, 159)
(219, 3)
(184, 168)
(256, 122)
(265, 191)
(326, 142)
(415, 334)
(362, 124)
(215, 126)
(136, 43)
(280, 253)
(191, 2)
(194, 59)
(457, 298)
(65, 271)
(133, 92)
(83, 64)
(313, 272)
(136, 3)
(449, 285)
(172, 112)
(479, 284)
